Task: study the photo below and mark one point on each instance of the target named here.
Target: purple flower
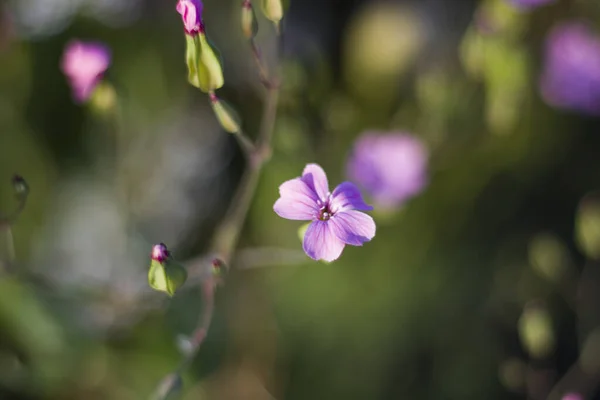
(336, 217)
(390, 167)
(191, 14)
(571, 76)
(159, 252)
(84, 63)
(529, 4)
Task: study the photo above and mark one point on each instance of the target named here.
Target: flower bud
(204, 64)
(20, 187)
(273, 10)
(160, 252)
(191, 15)
(164, 274)
(217, 266)
(226, 115)
(249, 23)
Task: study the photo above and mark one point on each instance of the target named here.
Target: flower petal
(316, 179)
(297, 202)
(321, 243)
(346, 196)
(353, 227)
(290, 209)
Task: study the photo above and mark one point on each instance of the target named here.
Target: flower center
(325, 212)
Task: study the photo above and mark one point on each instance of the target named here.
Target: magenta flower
(84, 63)
(571, 75)
(529, 4)
(336, 217)
(391, 167)
(191, 14)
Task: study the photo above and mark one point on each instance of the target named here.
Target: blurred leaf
(587, 226)
(535, 331)
(381, 44)
(549, 257)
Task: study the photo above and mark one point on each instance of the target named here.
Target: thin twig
(8, 220)
(245, 142)
(262, 69)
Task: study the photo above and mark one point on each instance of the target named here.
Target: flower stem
(262, 70)
(227, 234)
(10, 244)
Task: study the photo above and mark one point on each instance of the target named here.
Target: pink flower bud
(84, 63)
(191, 14)
(160, 252)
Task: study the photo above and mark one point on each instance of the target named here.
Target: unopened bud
(273, 10)
(164, 274)
(204, 64)
(217, 266)
(249, 23)
(20, 186)
(160, 252)
(226, 115)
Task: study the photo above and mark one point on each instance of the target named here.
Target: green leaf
(166, 277)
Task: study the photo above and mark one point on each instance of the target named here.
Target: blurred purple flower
(528, 4)
(84, 63)
(191, 14)
(571, 76)
(336, 217)
(572, 396)
(391, 167)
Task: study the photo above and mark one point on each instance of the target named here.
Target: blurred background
(483, 284)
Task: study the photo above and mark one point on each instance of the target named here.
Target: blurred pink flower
(84, 63)
(191, 14)
(571, 75)
(572, 396)
(528, 4)
(336, 217)
(391, 167)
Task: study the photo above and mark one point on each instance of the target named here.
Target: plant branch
(227, 234)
